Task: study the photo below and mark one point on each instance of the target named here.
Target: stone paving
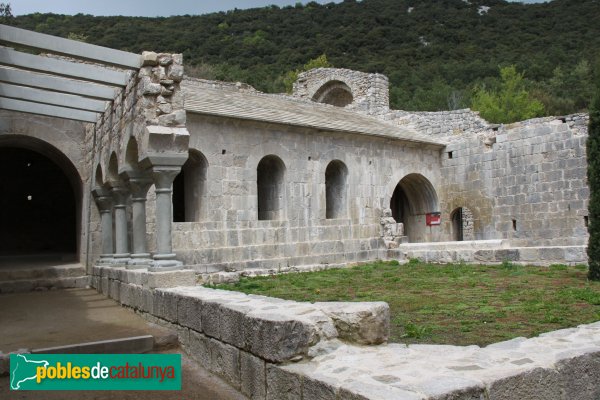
(563, 364)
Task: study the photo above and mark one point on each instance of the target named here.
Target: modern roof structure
(75, 83)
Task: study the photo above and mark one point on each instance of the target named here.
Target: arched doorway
(40, 202)
(414, 197)
(189, 189)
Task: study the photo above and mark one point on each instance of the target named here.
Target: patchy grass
(450, 304)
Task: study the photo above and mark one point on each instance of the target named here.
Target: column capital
(139, 183)
(103, 199)
(164, 175)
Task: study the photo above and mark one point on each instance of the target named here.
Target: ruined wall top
(356, 90)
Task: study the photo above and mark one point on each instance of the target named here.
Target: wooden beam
(64, 68)
(48, 110)
(53, 98)
(73, 48)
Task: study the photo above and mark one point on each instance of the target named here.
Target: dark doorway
(457, 224)
(38, 206)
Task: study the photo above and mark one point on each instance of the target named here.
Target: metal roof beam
(71, 48)
(64, 68)
(48, 97)
(48, 110)
(58, 84)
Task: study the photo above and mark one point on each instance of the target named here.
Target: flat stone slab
(564, 364)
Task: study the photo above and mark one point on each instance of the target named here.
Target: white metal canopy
(60, 86)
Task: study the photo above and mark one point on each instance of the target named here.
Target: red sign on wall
(433, 218)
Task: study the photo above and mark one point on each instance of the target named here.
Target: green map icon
(23, 369)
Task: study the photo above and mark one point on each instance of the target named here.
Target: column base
(165, 265)
(105, 260)
(139, 261)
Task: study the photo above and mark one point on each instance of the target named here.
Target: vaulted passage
(414, 197)
(270, 188)
(38, 206)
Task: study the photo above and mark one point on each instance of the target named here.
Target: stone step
(462, 245)
(32, 272)
(544, 255)
(27, 285)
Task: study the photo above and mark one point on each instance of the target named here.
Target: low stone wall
(238, 336)
(277, 349)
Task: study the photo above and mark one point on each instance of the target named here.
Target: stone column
(163, 181)
(139, 183)
(119, 194)
(104, 203)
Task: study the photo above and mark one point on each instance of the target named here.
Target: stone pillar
(163, 181)
(119, 194)
(138, 184)
(104, 203)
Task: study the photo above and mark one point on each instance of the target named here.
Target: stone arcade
(153, 180)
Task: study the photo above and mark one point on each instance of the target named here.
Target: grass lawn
(453, 303)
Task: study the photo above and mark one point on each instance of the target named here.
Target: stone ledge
(362, 323)
(560, 365)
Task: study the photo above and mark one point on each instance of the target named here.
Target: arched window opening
(336, 93)
(189, 190)
(414, 197)
(270, 174)
(335, 189)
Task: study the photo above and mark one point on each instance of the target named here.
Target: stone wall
(236, 336)
(270, 348)
(370, 92)
(527, 183)
(231, 236)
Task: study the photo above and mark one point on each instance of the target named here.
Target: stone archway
(414, 197)
(336, 93)
(40, 203)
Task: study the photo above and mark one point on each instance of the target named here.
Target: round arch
(40, 206)
(335, 92)
(414, 197)
(336, 175)
(190, 200)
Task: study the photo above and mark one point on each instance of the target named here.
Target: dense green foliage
(593, 173)
(510, 102)
(435, 52)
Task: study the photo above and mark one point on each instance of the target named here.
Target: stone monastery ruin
(141, 165)
(153, 180)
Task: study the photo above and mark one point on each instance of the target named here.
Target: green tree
(5, 12)
(510, 102)
(291, 76)
(593, 174)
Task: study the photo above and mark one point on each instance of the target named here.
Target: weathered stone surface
(363, 323)
(253, 375)
(189, 311)
(169, 279)
(149, 58)
(225, 361)
(200, 349)
(283, 385)
(276, 337)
